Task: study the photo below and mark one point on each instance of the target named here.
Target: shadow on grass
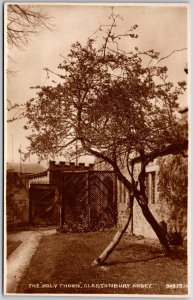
(135, 253)
(114, 263)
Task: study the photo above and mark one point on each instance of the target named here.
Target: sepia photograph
(96, 156)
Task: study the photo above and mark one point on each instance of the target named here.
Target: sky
(161, 27)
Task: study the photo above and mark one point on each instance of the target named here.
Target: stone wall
(17, 200)
(140, 225)
(160, 209)
(162, 212)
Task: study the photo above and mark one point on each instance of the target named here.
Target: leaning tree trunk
(155, 226)
(117, 237)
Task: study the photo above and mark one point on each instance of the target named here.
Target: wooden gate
(43, 208)
(85, 200)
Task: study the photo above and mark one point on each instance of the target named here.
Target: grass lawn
(62, 264)
(11, 246)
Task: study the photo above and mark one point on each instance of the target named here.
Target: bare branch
(165, 57)
(24, 21)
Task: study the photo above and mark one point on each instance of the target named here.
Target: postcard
(96, 149)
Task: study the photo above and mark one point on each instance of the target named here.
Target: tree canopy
(111, 101)
(116, 104)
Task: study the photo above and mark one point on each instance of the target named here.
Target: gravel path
(19, 259)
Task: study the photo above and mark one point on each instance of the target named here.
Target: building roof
(26, 168)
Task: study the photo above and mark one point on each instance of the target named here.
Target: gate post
(30, 206)
(61, 201)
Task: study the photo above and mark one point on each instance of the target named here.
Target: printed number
(175, 286)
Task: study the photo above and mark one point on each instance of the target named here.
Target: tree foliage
(118, 104)
(110, 100)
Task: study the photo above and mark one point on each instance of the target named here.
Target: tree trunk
(109, 249)
(155, 226)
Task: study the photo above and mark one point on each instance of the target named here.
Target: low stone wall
(160, 210)
(17, 208)
(140, 225)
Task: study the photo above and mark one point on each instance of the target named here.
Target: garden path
(20, 258)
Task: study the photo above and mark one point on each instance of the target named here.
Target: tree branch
(170, 149)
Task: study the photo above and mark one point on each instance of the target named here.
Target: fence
(84, 200)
